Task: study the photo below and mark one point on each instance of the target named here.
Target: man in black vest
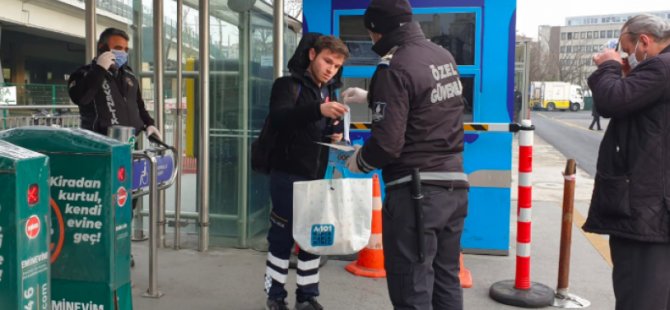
(106, 90)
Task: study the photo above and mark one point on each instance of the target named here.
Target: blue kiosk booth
(481, 36)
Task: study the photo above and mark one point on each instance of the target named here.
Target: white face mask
(632, 59)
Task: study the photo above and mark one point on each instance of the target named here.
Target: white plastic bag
(332, 217)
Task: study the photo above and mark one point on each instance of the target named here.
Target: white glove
(105, 60)
(152, 130)
(352, 164)
(355, 95)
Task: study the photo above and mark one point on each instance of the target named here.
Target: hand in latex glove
(355, 95)
(105, 60)
(352, 163)
(152, 130)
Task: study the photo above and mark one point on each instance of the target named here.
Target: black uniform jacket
(107, 98)
(631, 196)
(415, 97)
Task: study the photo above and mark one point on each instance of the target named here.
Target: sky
(532, 13)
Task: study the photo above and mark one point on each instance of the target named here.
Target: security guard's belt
(432, 176)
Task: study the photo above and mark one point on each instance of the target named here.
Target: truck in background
(552, 96)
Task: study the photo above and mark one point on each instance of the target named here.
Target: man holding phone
(106, 90)
(630, 201)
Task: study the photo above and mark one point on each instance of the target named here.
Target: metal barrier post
(151, 155)
(153, 291)
(563, 298)
(177, 132)
(521, 292)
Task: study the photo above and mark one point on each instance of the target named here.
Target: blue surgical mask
(121, 57)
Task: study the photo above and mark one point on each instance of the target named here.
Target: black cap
(383, 16)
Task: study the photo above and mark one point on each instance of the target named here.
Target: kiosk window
(357, 39)
(454, 31)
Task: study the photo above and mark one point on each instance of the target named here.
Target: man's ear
(646, 40)
(312, 54)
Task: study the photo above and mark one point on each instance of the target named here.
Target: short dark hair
(105, 35)
(333, 44)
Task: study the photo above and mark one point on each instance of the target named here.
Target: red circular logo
(121, 196)
(33, 227)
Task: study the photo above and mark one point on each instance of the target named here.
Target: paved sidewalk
(233, 278)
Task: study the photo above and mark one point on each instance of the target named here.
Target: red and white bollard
(524, 204)
(521, 292)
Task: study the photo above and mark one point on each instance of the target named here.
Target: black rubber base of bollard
(538, 296)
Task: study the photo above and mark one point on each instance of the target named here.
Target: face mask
(632, 59)
(121, 57)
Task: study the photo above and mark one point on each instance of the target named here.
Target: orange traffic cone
(370, 261)
(464, 275)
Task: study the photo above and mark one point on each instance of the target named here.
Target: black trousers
(641, 274)
(280, 239)
(433, 284)
(596, 120)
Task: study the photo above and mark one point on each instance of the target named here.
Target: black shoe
(276, 304)
(310, 304)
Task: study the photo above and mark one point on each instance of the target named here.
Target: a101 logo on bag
(323, 235)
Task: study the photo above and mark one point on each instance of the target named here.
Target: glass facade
(241, 74)
(240, 80)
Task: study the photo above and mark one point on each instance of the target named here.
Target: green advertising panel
(24, 229)
(91, 213)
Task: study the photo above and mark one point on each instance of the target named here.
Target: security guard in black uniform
(416, 99)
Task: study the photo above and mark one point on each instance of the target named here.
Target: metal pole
(2, 76)
(563, 298)
(2, 83)
(177, 132)
(153, 291)
(525, 111)
(202, 184)
(36, 106)
(158, 99)
(138, 218)
(566, 227)
(278, 38)
(91, 49)
(245, 55)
